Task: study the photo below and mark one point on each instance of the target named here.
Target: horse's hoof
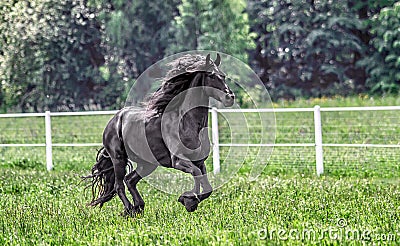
(133, 211)
(191, 208)
(190, 203)
(139, 209)
(125, 213)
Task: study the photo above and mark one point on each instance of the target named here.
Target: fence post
(318, 140)
(215, 140)
(49, 154)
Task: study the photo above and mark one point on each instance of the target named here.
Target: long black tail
(102, 179)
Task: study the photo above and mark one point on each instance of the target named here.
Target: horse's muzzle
(229, 100)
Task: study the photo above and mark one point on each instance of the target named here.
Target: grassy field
(356, 201)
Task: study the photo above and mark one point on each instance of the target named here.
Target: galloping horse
(170, 131)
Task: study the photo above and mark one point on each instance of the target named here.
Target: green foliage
(15, 19)
(307, 48)
(51, 56)
(383, 66)
(85, 55)
(187, 26)
(213, 25)
(135, 37)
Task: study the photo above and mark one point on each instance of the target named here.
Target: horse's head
(214, 83)
(190, 72)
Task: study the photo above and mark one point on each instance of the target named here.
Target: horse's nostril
(229, 100)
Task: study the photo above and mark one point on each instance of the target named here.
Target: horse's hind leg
(131, 180)
(120, 172)
(112, 141)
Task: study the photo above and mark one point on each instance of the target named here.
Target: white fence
(318, 143)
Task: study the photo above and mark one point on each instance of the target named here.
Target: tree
(383, 66)
(16, 45)
(213, 25)
(135, 37)
(307, 48)
(51, 56)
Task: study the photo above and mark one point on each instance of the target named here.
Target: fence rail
(318, 127)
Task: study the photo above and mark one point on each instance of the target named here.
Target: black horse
(170, 131)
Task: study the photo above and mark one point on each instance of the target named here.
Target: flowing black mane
(178, 79)
(159, 100)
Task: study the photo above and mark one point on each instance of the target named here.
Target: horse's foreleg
(205, 184)
(189, 199)
(131, 181)
(120, 172)
(189, 167)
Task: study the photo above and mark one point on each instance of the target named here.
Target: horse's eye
(213, 76)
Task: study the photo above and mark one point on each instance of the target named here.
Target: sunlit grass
(49, 208)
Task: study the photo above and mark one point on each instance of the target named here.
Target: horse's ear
(218, 60)
(208, 60)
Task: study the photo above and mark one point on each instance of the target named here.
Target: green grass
(48, 208)
(360, 187)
